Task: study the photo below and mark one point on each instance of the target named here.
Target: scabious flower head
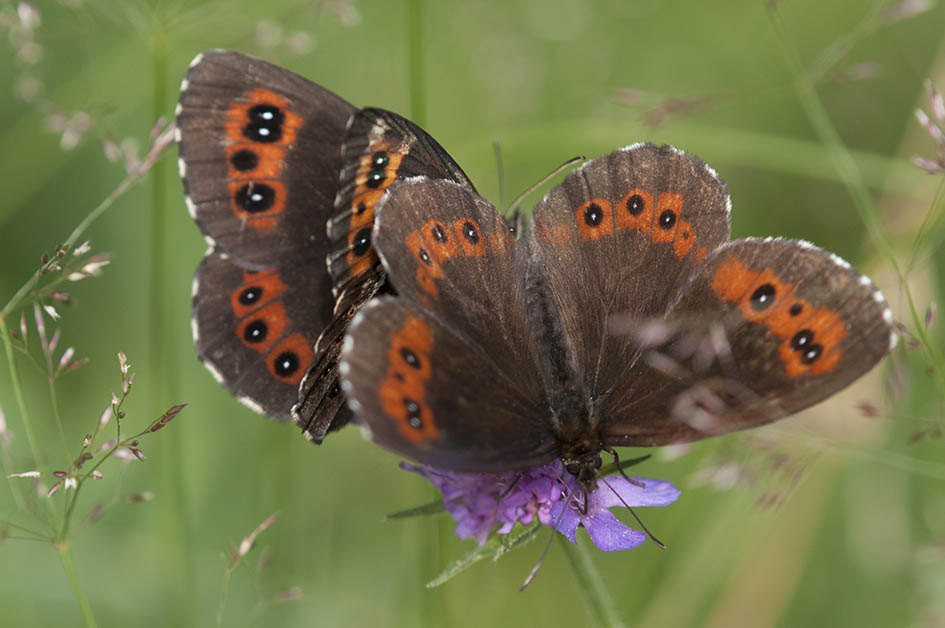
(483, 503)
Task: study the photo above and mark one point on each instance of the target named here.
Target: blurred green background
(856, 532)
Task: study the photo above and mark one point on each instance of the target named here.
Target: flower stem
(852, 179)
(596, 596)
(224, 588)
(66, 557)
(415, 75)
(24, 413)
(54, 401)
(843, 161)
(157, 149)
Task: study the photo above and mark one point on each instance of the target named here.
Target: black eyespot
(375, 178)
(379, 160)
(667, 219)
(762, 297)
(802, 339)
(244, 160)
(255, 332)
(593, 215)
(269, 114)
(438, 233)
(811, 354)
(362, 242)
(635, 205)
(796, 309)
(250, 295)
(333, 391)
(360, 208)
(425, 257)
(469, 230)
(265, 124)
(255, 197)
(413, 413)
(286, 363)
(410, 358)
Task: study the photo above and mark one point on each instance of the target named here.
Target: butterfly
(282, 176)
(625, 317)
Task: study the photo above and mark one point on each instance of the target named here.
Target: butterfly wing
(255, 329)
(259, 157)
(426, 392)
(259, 154)
(763, 329)
(616, 239)
(446, 373)
(380, 148)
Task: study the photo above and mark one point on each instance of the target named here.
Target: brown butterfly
(500, 354)
(283, 176)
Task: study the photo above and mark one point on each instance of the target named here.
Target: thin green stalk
(36, 535)
(433, 613)
(840, 48)
(851, 177)
(596, 596)
(35, 539)
(224, 588)
(54, 400)
(932, 350)
(24, 412)
(841, 158)
(73, 498)
(416, 76)
(66, 558)
(177, 565)
(931, 222)
(6, 467)
(158, 230)
(157, 149)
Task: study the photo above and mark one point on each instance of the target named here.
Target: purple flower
(481, 503)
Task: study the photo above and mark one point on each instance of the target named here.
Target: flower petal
(568, 522)
(610, 534)
(652, 493)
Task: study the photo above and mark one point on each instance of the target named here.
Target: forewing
(380, 148)
(451, 252)
(616, 239)
(259, 157)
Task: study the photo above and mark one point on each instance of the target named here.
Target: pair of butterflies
(353, 268)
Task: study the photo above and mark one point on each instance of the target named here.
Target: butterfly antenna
(509, 488)
(544, 553)
(513, 208)
(613, 452)
(500, 171)
(639, 521)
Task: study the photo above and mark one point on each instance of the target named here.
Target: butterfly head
(584, 466)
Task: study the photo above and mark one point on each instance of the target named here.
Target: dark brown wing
(764, 329)
(380, 148)
(616, 239)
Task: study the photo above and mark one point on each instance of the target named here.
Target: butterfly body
(624, 317)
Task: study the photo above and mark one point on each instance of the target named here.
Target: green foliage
(805, 108)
